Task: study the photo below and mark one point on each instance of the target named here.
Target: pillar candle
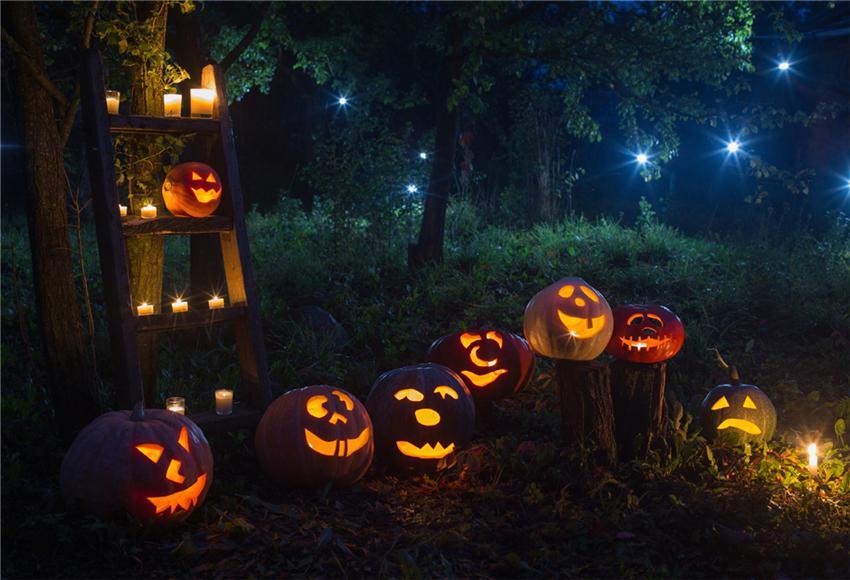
(223, 402)
(202, 102)
(148, 211)
(144, 309)
(179, 306)
(112, 100)
(122, 209)
(176, 405)
(173, 104)
(216, 302)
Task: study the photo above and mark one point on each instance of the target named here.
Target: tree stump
(638, 393)
(587, 411)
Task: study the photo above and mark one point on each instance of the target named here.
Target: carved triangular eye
(196, 177)
(720, 403)
(183, 439)
(748, 403)
(211, 178)
(150, 450)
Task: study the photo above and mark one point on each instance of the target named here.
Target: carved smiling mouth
(582, 327)
(426, 451)
(185, 498)
(485, 379)
(644, 343)
(205, 195)
(740, 424)
(342, 448)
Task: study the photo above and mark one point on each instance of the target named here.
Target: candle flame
(813, 456)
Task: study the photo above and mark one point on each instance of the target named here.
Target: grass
(516, 503)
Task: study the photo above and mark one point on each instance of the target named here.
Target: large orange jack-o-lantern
(315, 435)
(645, 333)
(494, 364)
(568, 320)
(422, 415)
(154, 464)
(192, 190)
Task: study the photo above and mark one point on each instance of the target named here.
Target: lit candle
(173, 104)
(144, 309)
(223, 402)
(813, 458)
(176, 405)
(122, 209)
(202, 102)
(216, 302)
(179, 306)
(148, 211)
(112, 99)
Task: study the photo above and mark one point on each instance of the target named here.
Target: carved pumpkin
(568, 320)
(152, 463)
(192, 190)
(315, 435)
(738, 413)
(494, 364)
(422, 415)
(645, 333)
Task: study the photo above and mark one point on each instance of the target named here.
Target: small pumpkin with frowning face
(315, 435)
(645, 333)
(192, 190)
(738, 413)
(494, 364)
(568, 320)
(422, 415)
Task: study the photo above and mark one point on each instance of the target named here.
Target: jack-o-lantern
(738, 413)
(568, 320)
(494, 364)
(422, 415)
(645, 333)
(192, 190)
(315, 435)
(151, 463)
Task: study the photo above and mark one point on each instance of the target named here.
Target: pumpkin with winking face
(192, 190)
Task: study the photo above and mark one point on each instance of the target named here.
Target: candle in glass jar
(179, 306)
(176, 405)
(148, 211)
(122, 209)
(202, 102)
(144, 309)
(173, 104)
(223, 402)
(112, 99)
(216, 302)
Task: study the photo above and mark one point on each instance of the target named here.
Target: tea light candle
(202, 102)
(148, 211)
(173, 104)
(179, 306)
(216, 302)
(112, 99)
(176, 405)
(223, 402)
(813, 458)
(122, 209)
(144, 309)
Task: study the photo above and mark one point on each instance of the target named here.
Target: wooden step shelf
(140, 124)
(169, 321)
(243, 417)
(170, 225)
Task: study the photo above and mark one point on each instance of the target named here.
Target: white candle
(216, 302)
(176, 405)
(173, 104)
(202, 102)
(148, 211)
(144, 309)
(179, 306)
(122, 209)
(223, 402)
(813, 458)
(112, 99)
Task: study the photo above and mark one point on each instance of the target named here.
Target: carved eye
(655, 320)
(196, 177)
(349, 404)
(748, 403)
(150, 450)
(566, 291)
(445, 391)
(183, 439)
(410, 395)
(589, 293)
(495, 337)
(468, 338)
(211, 178)
(316, 406)
(720, 403)
(636, 319)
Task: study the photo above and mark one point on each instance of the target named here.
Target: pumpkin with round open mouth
(192, 190)
(645, 333)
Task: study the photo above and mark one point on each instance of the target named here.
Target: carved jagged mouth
(427, 451)
(644, 343)
(741, 425)
(582, 327)
(185, 498)
(341, 448)
(485, 379)
(205, 195)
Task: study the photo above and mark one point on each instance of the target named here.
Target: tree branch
(71, 112)
(34, 69)
(246, 41)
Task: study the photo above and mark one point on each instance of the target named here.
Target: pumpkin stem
(734, 376)
(138, 413)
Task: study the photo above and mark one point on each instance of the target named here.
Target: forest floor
(515, 503)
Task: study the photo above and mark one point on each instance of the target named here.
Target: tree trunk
(587, 412)
(71, 387)
(638, 391)
(429, 248)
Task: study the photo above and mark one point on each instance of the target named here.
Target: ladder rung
(243, 417)
(170, 225)
(167, 321)
(159, 125)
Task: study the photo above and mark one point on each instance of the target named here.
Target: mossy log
(587, 410)
(638, 394)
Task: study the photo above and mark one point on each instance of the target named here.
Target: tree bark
(71, 387)
(587, 411)
(638, 392)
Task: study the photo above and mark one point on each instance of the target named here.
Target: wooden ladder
(229, 224)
